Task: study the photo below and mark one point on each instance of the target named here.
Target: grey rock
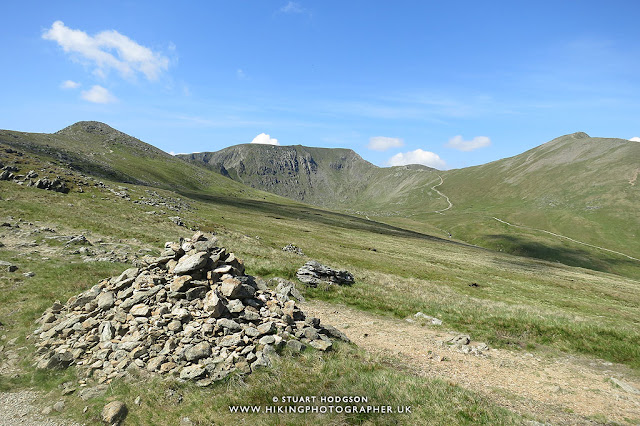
(230, 340)
(140, 310)
(192, 372)
(199, 351)
(9, 267)
(295, 345)
(106, 300)
(321, 345)
(235, 306)
(267, 340)
(213, 304)
(191, 263)
(114, 412)
(262, 361)
(314, 273)
(86, 394)
(233, 288)
(330, 330)
(291, 248)
(625, 386)
(267, 328)
(197, 292)
(228, 324)
(461, 339)
(287, 290)
(181, 283)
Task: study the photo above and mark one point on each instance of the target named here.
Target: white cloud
(457, 142)
(68, 84)
(265, 139)
(426, 158)
(292, 7)
(99, 95)
(383, 143)
(108, 49)
(241, 74)
(635, 139)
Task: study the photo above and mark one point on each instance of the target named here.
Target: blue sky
(445, 84)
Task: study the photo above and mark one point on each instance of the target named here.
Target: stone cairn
(192, 313)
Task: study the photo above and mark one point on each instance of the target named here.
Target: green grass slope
(518, 303)
(97, 149)
(576, 186)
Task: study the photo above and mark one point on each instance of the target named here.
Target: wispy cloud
(383, 143)
(241, 75)
(108, 50)
(292, 7)
(69, 84)
(457, 142)
(419, 156)
(265, 139)
(99, 95)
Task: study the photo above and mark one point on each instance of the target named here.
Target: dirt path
(566, 238)
(560, 390)
(442, 195)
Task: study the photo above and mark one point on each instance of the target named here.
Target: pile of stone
(292, 248)
(191, 312)
(314, 273)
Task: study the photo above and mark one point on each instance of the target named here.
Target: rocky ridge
(191, 312)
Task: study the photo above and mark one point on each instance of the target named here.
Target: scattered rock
(58, 406)
(93, 392)
(625, 386)
(432, 320)
(114, 412)
(461, 339)
(9, 267)
(314, 273)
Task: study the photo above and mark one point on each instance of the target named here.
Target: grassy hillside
(97, 149)
(518, 303)
(576, 186)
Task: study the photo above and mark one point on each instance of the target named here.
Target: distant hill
(98, 149)
(328, 177)
(575, 185)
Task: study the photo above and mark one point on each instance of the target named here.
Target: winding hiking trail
(529, 227)
(566, 238)
(561, 389)
(442, 195)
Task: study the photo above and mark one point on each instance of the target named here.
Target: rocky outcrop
(190, 312)
(314, 273)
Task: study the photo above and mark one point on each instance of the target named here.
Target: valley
(415, 239)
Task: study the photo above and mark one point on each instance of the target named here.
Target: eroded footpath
(555, 389)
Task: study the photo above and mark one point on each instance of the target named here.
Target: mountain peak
(94, 127)
(579, 135)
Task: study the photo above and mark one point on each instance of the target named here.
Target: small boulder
(114, 412)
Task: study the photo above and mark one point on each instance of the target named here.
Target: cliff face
(320, 176)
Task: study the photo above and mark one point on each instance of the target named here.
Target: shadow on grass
(524, 247)
(312, 214)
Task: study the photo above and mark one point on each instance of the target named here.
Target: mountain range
(573, 199)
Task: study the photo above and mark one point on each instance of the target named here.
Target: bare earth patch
(557, 389)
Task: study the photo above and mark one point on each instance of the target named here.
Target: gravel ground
(17, 408)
